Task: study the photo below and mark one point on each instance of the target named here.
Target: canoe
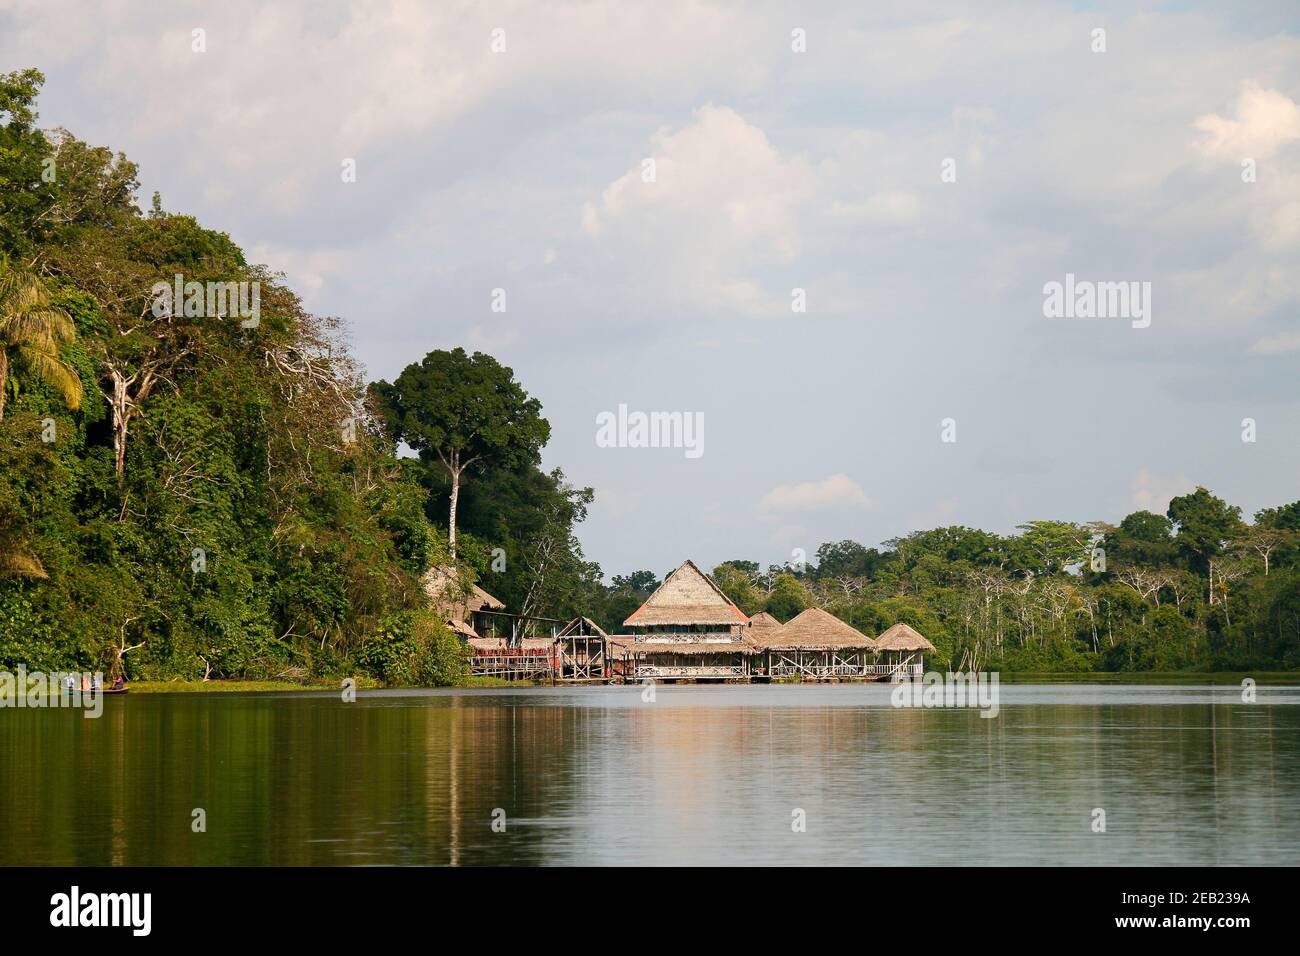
(102, 690)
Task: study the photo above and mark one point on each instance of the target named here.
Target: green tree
(1049, 547)
(33, 330)
(1141, 538)
(737, 584)
(1205, 524)
(26, 190)
(465, 411)
(1285, 517)
(840, 560)
(788, 597)
(642, 581)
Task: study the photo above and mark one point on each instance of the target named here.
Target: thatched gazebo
(904, 649)
(816, 645)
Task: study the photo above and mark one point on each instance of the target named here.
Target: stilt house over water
(816, 645)
(687, 629)
(903, 649)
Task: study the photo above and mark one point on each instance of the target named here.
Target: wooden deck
(582, 654)
(689, 672)
(513, 663)
(807, 665)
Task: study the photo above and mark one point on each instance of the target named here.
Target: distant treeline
(1196, 588)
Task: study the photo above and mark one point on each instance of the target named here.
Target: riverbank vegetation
(188, 493)
(1197, 588)
(185, 493)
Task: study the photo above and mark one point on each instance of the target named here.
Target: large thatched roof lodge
(688, 629)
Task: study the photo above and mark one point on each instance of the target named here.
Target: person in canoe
(120, 683)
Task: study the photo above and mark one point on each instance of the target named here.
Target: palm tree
(33, 330)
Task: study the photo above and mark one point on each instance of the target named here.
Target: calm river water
(707, 775)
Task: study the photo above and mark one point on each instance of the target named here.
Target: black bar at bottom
(237, 906)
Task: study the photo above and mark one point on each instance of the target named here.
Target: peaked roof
(900, 637)
(815, 629)
(443, 580)
(763, 631)
(687, 596)
(582, 626)
(450, 599)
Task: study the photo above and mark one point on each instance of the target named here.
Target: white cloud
(722, 204)
(1277, 344)
(837, 491)
(720, 168)
(897, 207)
(1264, 121)
(480, 338)
(1151, 492)
(938, 515)
(307, 272)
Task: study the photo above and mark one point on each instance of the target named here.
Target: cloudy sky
(504, 146)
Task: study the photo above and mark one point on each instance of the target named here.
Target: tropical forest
(189, 495)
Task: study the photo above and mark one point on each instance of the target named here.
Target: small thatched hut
(904, 649)
(816, 645)
(461, 604)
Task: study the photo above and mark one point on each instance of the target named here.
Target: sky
(824, 231)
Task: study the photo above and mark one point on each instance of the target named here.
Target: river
(700, 775)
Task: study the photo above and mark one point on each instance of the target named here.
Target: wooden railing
(678, 637)
(703, 670)
(788, 668)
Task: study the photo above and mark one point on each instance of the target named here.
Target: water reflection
(702, 775)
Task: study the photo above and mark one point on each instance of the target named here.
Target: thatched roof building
(687, 629)
(456, 602)
(688, 598)
(816, 630)
(763, 629)
(900, 637)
